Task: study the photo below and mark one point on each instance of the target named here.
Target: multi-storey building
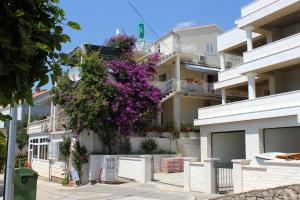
(267, 38)
(188, 67)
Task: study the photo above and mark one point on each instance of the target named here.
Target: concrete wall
(92, 142)
(228, 145)
(194, 42)
(188, 108)
(42, 167)
(138, 169)
(270, 174)
(197, 176)
(165, 144)
(282, 140)
(167, 111)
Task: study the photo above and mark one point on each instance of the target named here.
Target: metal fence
(224, 183)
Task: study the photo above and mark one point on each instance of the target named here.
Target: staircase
(167, 89)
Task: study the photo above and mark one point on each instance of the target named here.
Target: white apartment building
(267, 38)
(188, 67)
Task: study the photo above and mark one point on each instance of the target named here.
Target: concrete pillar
(187, 174)
(210, 175)
(146, 168)
(205, 145)
(272, 84)
(223, 96)
(177, 73)
(251, 85)
(159, 119)
(254, 142)
(237, 174)
(176, 110)
(269, 37)
(222, 61)
(249, 40)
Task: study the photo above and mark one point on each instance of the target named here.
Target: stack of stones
(289, 192)
(171, 165)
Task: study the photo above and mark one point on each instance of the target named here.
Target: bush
(149, 145)
(64, 181)
(126, 146)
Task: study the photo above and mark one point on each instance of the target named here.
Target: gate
(224, 183)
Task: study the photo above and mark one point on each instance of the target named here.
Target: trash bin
(25, 182)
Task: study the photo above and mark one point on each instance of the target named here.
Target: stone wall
(290, 192)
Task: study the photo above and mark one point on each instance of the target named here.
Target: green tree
(65, 151)
(2, 151)
(22, 138)
(31, 34)
(86, 101)
(79, 157)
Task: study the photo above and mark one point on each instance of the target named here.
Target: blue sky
(100, 18)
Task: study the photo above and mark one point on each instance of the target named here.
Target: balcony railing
(273, 48)
(39, 126)
(194, 88)
(283, 104)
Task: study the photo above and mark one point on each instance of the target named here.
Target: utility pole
(10, 166)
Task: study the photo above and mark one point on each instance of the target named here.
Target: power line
(143, 18)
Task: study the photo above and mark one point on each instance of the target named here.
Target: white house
(267, 37)
(188, 67)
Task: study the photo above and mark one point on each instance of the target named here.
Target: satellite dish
(74, 74)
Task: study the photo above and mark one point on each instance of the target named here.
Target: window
(43, 152)
(210, 48)
(158, 48)
(162, 77)
(39, 148)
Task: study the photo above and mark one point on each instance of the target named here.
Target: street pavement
(127, 191)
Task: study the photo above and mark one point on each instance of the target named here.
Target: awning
(201, 68)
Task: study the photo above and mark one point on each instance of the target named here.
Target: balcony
(194, 88)
(233, 38)
(279, 105)
(255, 6)
(262, 12)
(279, 53)
(41, 126)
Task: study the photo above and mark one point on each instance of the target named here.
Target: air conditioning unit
(202, 59)
(228, 64)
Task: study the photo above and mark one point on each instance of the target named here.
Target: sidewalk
(128, 191)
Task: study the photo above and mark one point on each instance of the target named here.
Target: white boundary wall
(42, 167)
(270, 174)
(200, 176)
(138, 169)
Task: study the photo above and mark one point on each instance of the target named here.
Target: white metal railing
(194, 88)
(166, 86)
(39, 126)
(273, 48)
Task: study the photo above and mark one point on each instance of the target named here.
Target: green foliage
(22, 138)
(65, 151)
(86, 101)
(2, 151)
(20, 160)
(79, 157)
(31, 34)
(149, 145)
(126, 146)
(64, 181)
